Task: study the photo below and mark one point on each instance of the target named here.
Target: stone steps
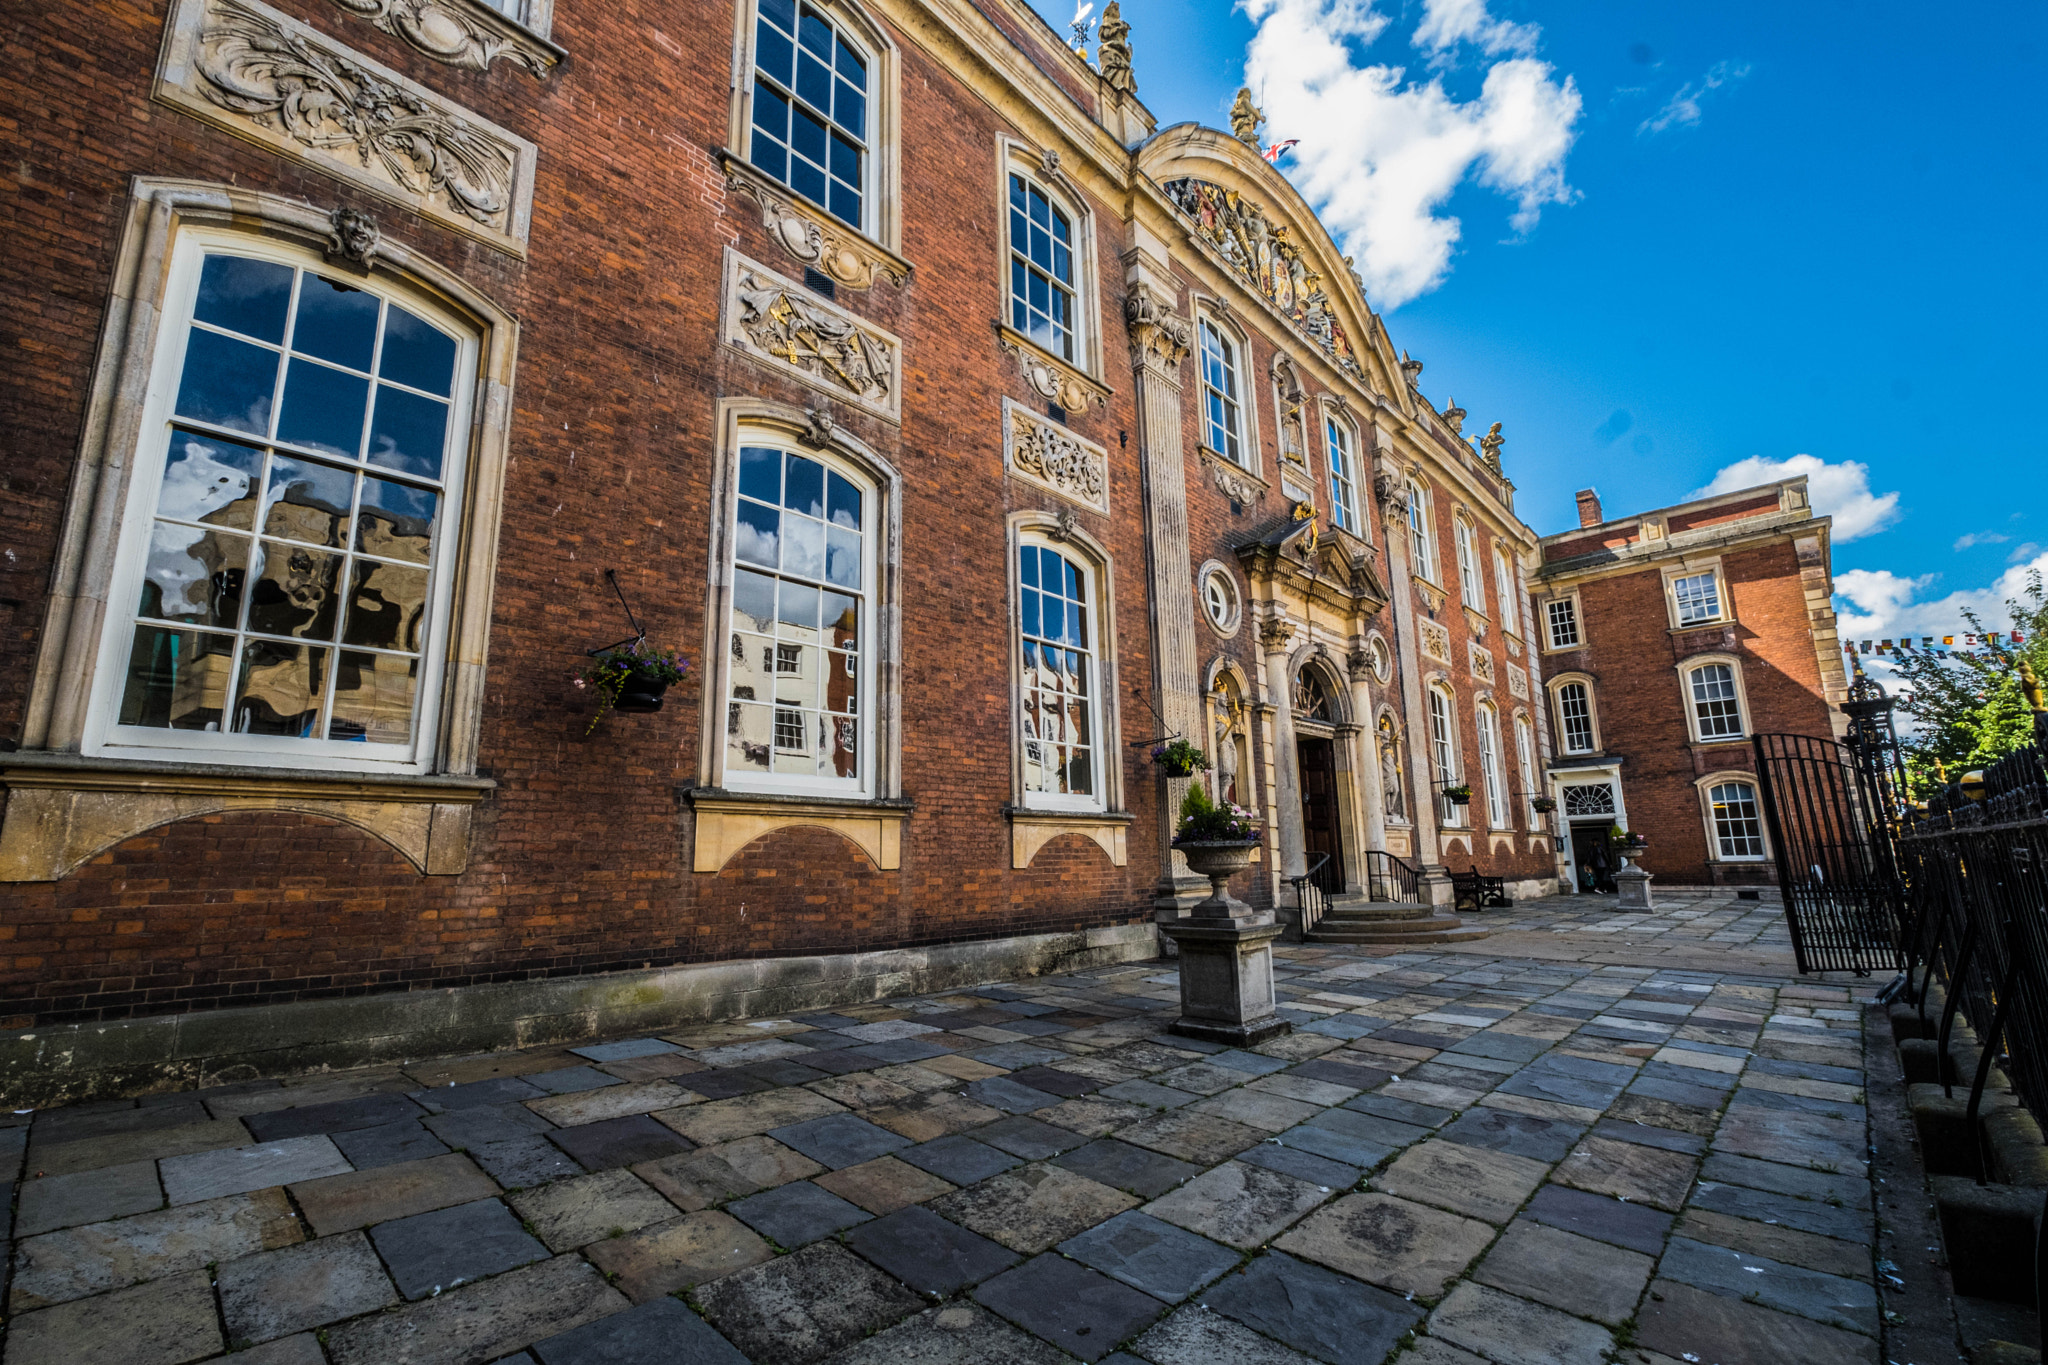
(1390, 922)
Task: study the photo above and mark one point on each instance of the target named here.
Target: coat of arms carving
(780, 321)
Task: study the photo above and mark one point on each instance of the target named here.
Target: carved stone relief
(461, 33)
(1230, 480)
(1043, 452)
(242, 66)
(1481, 662)
(1436, 641)
(353, 236)
(1274, 633)
(1290, 402)
(1518, 682)
(788, 327)
(811, 237)
(1159, 335)
(1047, 378)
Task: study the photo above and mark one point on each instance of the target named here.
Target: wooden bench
(1473, 891)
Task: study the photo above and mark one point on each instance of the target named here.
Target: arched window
(1311, 701)
(1443, 752)
(1061, 719)
(1490, 767)
(1343, 476)
(1220, 402)
(1525, 760)
(1471, 587)
(1421, 521)
(1504, 589)
(286, 584)
(810, 107)
(1716, 706)
(802, 625)
(1041, 268)
(1738, 830)
(1575, 718)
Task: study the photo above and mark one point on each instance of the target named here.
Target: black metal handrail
(1387, 878)
(1310, 900)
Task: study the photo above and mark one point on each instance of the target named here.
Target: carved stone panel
(1049, 378)
(1518, 682)
(1232, 481)
(816, 239)
(1480, 661)
(1436, 641)
(464, 33)
(1042, 452)
(786, 327)
(244, 67)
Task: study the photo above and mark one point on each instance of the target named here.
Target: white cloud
(1979, 538)
(1684, 107)
(1380, 154)
(1841, 491)
(1875, 604)
(2026, 551)
(1446, 23)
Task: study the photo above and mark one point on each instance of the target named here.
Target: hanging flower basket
(1543, 805)
(1458, 796)
(1180, 758)
(631, 677)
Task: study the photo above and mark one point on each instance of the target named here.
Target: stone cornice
(460, 33)
(1706, 542)
(74, 772)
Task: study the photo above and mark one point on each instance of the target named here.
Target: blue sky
(1688, 237)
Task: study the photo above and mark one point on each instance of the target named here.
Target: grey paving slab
(1331, 1317)
(619, 1142)
(625, 1050)
(1196, 1336)
(1507, 1047)
(431, 1253)
(1027, 1137)
(388, 1144)
(303, 1349)
(476, 1094)
(1257, 1064)
(1832, 1299)
(961, 1160)
(803, 1307)
(1564, 1270)
(479, 1322)
(838, 1140)
(1849, 1189)
(724, 1085)
(1514, 1331)
(1002, 1093)
(297, 1288)
(79, 1122)
(1303, 1165)
(1239, 1205)
(1202, 1138)
(474, 1126)
(519, 1163)
(1146, 1253)
(1737, 1201)
(958, 1333)
(356, 1199)
(1148, 1093)
(1081, 1311)
(367, 1111)
(797, 1214)
(75, 1262)
(660, 1332)
(1626, 1170)
(573, 1213)
(732, 1170)
(63, 1201)
(1054, 1081)
(237, 1170)
(928, 1253)
(570, 1079)
(1561, 1088)
(1678, 1320)
(1121, 1166)
(1395, 1243)
(166, 1322)
(1400, 1110)
(1033, 1207)
(1502, 1130)
(1677, 1092)
(1017, 1056)
(1649, 1135)
(674, 1255)
(1603, 1219)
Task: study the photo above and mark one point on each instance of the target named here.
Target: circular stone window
(1376, 655)
(1219, 598)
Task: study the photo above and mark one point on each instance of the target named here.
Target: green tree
(1969, 710)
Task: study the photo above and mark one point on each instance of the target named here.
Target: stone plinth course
(1590, 1137)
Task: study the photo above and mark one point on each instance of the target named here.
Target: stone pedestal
(1433, 885)
(1173, 900)
(1632, 889)
(1226, 977)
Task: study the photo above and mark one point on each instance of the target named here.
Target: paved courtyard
(1592, 1137)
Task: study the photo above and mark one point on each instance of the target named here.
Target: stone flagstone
(1406, 1247)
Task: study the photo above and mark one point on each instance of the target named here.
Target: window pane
(1027, 565)
(846, 161)
(842, 683)
(279, 689)
(761, 474)
(771, 157)
(294, 592)
(416, 352)
(308, 501)
(804, 487)
(227, 382)
(387, 608)
(373, 696)
(805, 178)
(850, 110)
(250, 297)
(323, 409)
(840, 617)
(771, 112)
(781, 13)
(774, 54)
(803, 546)
(749, 737)
(396, 521)
(1054, 611)
(194, 576)
(757, 534)
(842, 562)
(849, 64)
(410, 433)
(843, 503)
(816, 34)
(336, 322)
(177, 679)
(210, 480)
(813, 82)
(797, 613)
(1028, 604)
(753, 601)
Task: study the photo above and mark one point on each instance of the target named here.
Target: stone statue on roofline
(1114, 35)
(1489, 447)
(1245, 117)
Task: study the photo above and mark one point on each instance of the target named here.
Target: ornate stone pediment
(462, 33)
(1050, 378)
(1042, 452)
(1233, 481)
(1262, 254)
(261, 75)
(813, 237)
(787, 327)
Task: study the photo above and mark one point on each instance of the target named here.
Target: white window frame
(1525, 759)
(1442, 709)
(1504, 588)
(1487, 728)
(1104, 755)
(1471, 587)
(1079, 353)
(1215, 576)
(1708, 786)
(1422, 531)
(1688, 670)
(104, 736)
(1231, 358)
(874, 508)
(1676, 602)
(1558, 688)
(1569, 603)
(1338, 443)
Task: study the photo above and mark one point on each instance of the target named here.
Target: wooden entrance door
(1593, 858)
(1320, 824)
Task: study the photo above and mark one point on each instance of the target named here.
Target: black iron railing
(1387, 878)
(1310, 899)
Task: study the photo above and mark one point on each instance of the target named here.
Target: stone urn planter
(1226, 954)
(1219, 861)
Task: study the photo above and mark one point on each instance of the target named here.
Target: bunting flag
(1273, 152)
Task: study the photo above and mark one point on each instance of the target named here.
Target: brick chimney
(1589, 507)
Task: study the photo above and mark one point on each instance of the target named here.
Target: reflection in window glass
(1575, 717)
(1563, 619)
(1443, 754)
(1490, 768)
(1714, 705)
(1219, 395)
(1058, 643)
(1738, 829)
(1699, 598)
(1041, 269)
(1471, 588)
(1343, 478)
(1525, 751)
(293, 516)
(1421, 532)
(799, 618)
(810, 107)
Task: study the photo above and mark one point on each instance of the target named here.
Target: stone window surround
(1335, 409)
(1471, 576)
(1684, 668)
(727, 821)
(1217, 313)
(1423, 557)
(1687, 568)
(65, 807)
(1578, 620)
(1016, 157)
(882, 196)
(1705, 787)
(1215, 568)
(1528, 763)
(1483, 702)
(1438, 684)
(1554, 686)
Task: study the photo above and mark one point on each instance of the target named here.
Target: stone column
(1359, 666)
(1391, 491)
(1159, 343)
(1292, 842)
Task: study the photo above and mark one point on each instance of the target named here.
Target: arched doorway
(1315, 749)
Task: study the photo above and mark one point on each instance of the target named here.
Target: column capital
(1160, 337)
(1274, 634)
